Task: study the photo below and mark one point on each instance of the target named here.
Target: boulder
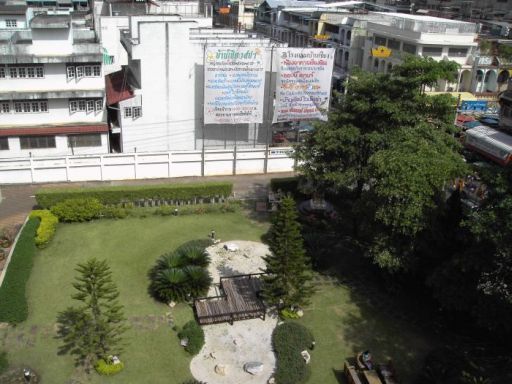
(300, 312)
(231, 247)
(253, 367)
(306, 356)
(221, 369)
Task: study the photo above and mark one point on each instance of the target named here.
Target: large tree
(288, 269)
(391, 147)
(94, 329)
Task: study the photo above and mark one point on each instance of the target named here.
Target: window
(88, 140)
(5, 107)
(99, 105)
(70, 72)
(2, 72)
(137, 112)
(432, 51)
(90, 105)
(127, 112)
(409, 48)
(97, 70)
(73, 106)
(26, 72)
(393, 44)
(4, 144)
(36, 142)
(11, 23)
(457, 52)
(81, 105)
(88, 71)
(379, 40)
(79, 72)
(28, 106)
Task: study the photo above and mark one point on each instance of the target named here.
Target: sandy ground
(245, 341)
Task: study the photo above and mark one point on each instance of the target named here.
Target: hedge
(47, 226)
(289, 340)
(78, 210)
(195, 335)
(47, 198)
(13, 301)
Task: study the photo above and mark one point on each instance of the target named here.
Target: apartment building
(51, 88)
(155, 103)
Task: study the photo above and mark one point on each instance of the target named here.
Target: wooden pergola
(239, 301)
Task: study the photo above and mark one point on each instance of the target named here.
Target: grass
(344, 324)
(131, 247)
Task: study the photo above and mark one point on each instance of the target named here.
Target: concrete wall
(143, 165)
(110, 27)
(21, 21)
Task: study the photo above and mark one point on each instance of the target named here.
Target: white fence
(127, 166)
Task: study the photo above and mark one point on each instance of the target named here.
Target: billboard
(234, 85)
(303, 86)
(473, 106)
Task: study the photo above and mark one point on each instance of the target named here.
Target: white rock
(300, 313)
(253, 367)
(231, 247)
(306, 356)
(221, 369)
(172, 304)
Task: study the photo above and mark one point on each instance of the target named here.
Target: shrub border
(48, 197)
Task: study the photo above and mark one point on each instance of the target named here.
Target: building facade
(51, 89)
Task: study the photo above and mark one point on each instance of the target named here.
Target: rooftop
(8, 9)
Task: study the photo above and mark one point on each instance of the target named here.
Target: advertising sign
(234, 85)
(473, 106)
(303, 86)
(381, 51)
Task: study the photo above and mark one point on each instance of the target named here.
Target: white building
(51, 89)
(156, 103)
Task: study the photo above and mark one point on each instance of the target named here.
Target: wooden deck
(239, 301)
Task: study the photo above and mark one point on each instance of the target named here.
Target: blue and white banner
(234, 85)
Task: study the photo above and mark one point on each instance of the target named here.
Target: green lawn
(344, 323)
(131, 246)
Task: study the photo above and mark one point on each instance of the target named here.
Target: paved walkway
(19, 200)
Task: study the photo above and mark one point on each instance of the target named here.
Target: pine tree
(93, 330)
(288, 269)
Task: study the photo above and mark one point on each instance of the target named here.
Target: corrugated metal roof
(117, 87)
(54, 130)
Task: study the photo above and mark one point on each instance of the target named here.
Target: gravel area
(229, 347)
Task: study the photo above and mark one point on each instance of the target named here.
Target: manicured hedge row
(47, 198)
(13, 301)
(289, 340)
(47, 226)
(285, 184)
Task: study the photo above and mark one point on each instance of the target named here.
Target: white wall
(110, 27)
(142, 166)
(58, 113)
(61, 148)
(52, 41)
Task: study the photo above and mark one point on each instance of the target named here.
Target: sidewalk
(18, 200)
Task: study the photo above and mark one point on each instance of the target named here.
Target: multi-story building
(51, 88)
(470, 9)
(506, 109)
(156, 102)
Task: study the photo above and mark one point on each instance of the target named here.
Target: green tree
(93, 330)
(390, 147)
(288, 267)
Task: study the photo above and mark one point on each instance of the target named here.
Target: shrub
(181, 273)
(47, 198)
(4, 363)
(287, 313)
(198, 209)
(107, 369)
(47, 226)
(195, 335)
(13, 302)
(78, 209)
(289, 340)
